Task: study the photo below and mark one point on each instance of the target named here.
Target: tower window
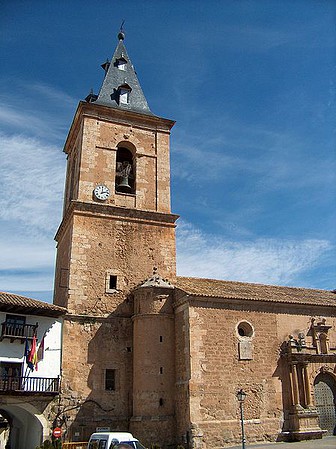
(161, 402)
(161, 339)
(124, 93)
(110, 379)
(112, 282)
(161, 370)
(121, 63)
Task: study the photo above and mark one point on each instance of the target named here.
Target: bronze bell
(123, 186)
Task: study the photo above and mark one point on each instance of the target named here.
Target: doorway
(325, 401)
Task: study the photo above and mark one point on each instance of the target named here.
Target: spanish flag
(32, 358)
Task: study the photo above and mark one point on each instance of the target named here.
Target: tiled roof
(254, 292)
(12, 303)
(116, 78)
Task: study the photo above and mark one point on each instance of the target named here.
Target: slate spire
(121, 88)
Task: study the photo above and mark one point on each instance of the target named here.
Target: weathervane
(121, 34)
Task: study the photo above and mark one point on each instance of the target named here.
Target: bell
(123, 186)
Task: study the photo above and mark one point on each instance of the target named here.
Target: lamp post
(241, 395)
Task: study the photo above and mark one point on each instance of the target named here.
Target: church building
(153, 353)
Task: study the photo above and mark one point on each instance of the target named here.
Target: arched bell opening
(325, 401)
(125, 171)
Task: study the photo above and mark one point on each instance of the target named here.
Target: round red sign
(57, 432)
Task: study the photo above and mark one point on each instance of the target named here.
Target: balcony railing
(21, 384)
(15, 330)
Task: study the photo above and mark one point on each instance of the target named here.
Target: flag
(26, 351)
(32, 358)
(40, 351)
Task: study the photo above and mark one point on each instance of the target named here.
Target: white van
(113, 440)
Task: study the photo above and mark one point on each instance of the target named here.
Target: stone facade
(178, 349)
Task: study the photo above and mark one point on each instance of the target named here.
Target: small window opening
(110, 379)
(124, 96)
(161, 370)
(113, 282)
(121, 63)
(161, 402)
(129, 349)
(124, 93)
(245, 329)
(161, 339)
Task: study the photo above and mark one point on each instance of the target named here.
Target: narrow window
(113, 282)
(161, 370)
(161, 402)
(161, 339)
(110, 379)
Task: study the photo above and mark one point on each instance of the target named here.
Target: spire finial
(121, 34)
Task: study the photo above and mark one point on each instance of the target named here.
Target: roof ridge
(256, 284)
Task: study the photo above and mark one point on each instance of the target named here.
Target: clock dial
(101, 192)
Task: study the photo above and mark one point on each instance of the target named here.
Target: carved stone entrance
(325, 401)
(305, 358)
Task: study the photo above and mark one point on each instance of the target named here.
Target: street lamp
(241, 395)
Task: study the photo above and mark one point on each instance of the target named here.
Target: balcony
(29, 385)
(15, 331)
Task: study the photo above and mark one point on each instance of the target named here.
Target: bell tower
(116, 226)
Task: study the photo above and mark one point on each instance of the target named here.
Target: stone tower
(116, 227)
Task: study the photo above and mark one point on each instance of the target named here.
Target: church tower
(116, 227)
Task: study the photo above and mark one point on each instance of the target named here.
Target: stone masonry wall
(218, 373)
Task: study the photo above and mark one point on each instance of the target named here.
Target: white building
(28, 384)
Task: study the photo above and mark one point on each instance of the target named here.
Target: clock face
(101, 192)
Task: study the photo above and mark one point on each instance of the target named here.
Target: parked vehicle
(113, 440)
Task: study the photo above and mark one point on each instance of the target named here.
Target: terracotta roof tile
(10, 302)
(254, 292)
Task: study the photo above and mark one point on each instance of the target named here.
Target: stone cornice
(113, 115)
(115, 212)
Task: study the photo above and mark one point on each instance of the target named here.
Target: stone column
(294, 385)
(307, 386)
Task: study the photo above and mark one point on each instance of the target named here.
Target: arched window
(125, 171)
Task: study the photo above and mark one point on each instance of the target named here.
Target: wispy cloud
(32, 177)
(268, 261)
(27, 261)
(42, 112)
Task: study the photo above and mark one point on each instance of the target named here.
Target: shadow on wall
(109, 404)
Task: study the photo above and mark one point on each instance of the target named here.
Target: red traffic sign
(57, 432)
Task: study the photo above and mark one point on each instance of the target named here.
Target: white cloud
(266, 261)
(31, 179)
(37, 110)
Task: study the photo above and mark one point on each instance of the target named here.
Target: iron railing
(10, 384)
(16, 330)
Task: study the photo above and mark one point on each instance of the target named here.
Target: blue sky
(251, 85)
